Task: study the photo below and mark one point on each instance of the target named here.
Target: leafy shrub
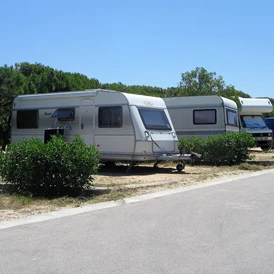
(56, 168)
(192, 144)
(223, 149)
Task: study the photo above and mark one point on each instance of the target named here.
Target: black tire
(180, 167)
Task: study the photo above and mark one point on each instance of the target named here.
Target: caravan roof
(255, 106)
(70, 98)
(199, 101)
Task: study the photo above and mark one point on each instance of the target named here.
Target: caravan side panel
(202, 116)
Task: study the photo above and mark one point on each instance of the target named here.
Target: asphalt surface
(221, 228)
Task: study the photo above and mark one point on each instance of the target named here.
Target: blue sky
(145, 42)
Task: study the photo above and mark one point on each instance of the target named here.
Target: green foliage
(223, 149)
(190, 144)
(50, 170)
(201, 82)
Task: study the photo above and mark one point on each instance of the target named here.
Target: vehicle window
(204, 116)
(270, 123)
(232, 117)
(64, 114)
(154, 119)
(253, 121)
(110, 117)
(27, 119)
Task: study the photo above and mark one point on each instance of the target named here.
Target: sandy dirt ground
(146, 179)
(145, 174)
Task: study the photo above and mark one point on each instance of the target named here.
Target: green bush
(54, 169)
(192, 144)
(223, 149)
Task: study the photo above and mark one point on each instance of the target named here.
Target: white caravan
(202, 116)
(252, 121)
(123, 127)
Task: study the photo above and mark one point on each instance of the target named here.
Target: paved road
(224, 228)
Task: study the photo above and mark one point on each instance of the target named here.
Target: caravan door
(87, 120)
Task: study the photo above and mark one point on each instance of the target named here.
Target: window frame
(64, 118)
(154, 127)
(112, 120)
(236, 115)
(204, 123)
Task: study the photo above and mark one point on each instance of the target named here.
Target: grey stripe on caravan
(48, 107)
(75, 106)
(68, 133)
(111, 104)
(198, 107)
(199, 132)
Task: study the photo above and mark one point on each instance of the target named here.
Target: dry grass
(115, 184)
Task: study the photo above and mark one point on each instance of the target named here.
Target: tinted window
(270, 123)
(154, 119)
(27, 119)
(204, 116)
(110, 117)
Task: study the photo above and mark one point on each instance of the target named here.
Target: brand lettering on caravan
(148, 103)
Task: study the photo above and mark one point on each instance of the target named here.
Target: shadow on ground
(122, 170)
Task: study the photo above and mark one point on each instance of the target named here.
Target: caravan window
(64, 114)
(231, 117)
(154, 119)
(204, 116)
(27, 118)
(110, 116)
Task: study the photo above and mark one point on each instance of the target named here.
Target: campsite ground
(115, 184)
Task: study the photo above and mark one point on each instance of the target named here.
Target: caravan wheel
(180, 167)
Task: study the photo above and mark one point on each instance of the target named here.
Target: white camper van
(123, 127)
(202, 116)
(252, 121)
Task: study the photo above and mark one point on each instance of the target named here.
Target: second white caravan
(202, 116)
(124, 127)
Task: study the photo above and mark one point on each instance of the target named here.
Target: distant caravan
(252, 121)
(202, 116)
(123, 127)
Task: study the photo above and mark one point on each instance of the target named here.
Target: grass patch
(17, 202)
(14, 202)
(203, 177)
(26, 204)
(246, 166)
